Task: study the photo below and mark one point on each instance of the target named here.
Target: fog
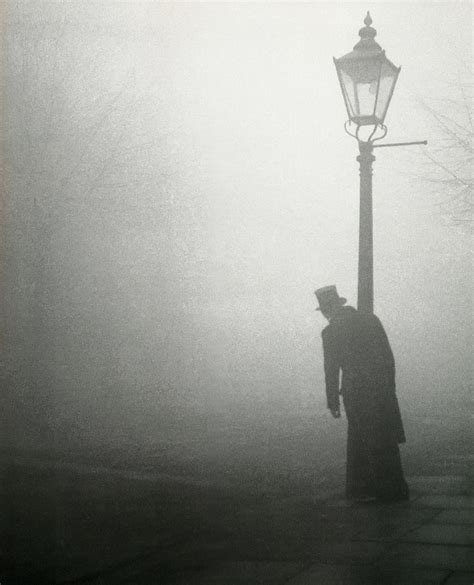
(177, 182)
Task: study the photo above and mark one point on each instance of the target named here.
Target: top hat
(328, 298)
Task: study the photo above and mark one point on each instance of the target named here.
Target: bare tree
(450, 157)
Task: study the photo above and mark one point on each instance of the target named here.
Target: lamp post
(367, 80)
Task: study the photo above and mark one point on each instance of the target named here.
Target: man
(356, 345)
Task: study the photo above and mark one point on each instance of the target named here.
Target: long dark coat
(356, 345)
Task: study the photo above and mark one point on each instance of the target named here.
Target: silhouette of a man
(355, 344)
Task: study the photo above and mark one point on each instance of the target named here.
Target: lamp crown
(367, 35)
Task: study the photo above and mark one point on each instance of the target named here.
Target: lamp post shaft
(365, 297)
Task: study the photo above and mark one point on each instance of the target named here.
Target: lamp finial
(367, 35)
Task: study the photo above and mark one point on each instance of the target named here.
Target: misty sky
(179, 182)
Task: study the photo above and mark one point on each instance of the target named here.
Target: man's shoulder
(362, 316)
(349, 311)
(340, 322)
(344, 316)
(371, 319)
(370, 324)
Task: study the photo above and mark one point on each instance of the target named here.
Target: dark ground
(239, 507)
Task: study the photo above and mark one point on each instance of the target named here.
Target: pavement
(294, 541)
(275, 516)
(76, 523)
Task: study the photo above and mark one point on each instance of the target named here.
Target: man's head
(329, 301)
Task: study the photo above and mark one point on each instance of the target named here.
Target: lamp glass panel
(388, 77)
(349, 91)
(366, 96)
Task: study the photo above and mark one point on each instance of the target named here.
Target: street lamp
(367, 81)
